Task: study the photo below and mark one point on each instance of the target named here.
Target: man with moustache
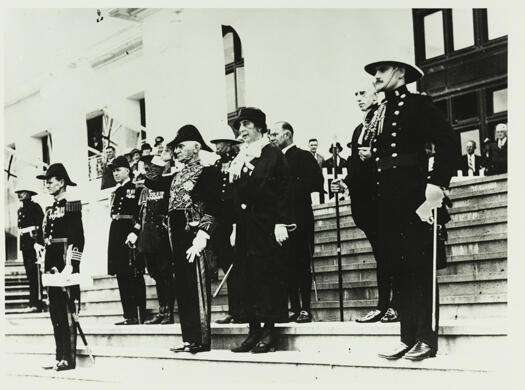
(361, 183)
(306, 178)
(123, 260)
(406, 194)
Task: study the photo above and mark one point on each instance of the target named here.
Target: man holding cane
(63, 243)
(405, 196)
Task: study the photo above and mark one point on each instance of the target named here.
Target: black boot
(168, 316)
(267, 342)
(254, 335)
(158, 318)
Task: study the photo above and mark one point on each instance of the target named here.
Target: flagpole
(338, 232)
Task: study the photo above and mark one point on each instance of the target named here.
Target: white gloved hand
(364, 153)
(131, 240)
(281, 233)
(199, 243)
(338, 186)
(68, 270)
(434, 198)
(233, 236)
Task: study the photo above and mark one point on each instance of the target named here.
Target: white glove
(199, 243)
(364, 153)
(337, 186)
(434, 198)
(68, 270)
(281, 233)
(131, 240)
(233, 236)
(39, 249)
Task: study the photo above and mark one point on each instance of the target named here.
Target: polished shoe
(157, 319)
(226, 320)
(390, 316)
(196, 348)
(371, 316)
(420, 351)
(303, 317)
(167, 320)
(395, 353)
(63, 365)
(267, 342)
(128, 321)
(183, 348)
(292, 317)
(250, 342)
(52, 366)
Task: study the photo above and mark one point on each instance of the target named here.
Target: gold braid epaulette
(74, 205)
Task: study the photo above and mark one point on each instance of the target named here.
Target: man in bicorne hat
(226, 147)
(30, 217)
(123, 260)
(192, 208)
(406, 123)
(63, 240)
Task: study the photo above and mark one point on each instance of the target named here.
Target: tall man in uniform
(123, 233)
(227, 147)
(361, 183)
(306, 178)
(407, 122)
(63, 240)
(30, 217)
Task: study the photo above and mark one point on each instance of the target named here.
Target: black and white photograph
(254, 195)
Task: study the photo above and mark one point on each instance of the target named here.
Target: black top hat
(146, 146)
(119, 162)
(188, 133)
(251, 114)
(59, 171)
(338, 146)
(133, 151)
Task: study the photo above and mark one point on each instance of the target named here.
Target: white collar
(123, 183)
(288, 147)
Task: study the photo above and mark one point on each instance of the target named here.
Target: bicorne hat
(59, 171)
(188, 133)
(251, 114)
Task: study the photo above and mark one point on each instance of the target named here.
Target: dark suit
(498, 158)
(306, 178)
(463, 165)
(361, 181)
(410, 121)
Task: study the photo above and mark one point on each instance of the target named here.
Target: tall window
(497, 22)
(463, 28)
(434, 39)
(234, 70)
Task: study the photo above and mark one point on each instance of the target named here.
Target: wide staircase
(17, 288)
(473, 304)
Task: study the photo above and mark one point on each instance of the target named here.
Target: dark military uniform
(220, 240)
(193, 205)
(63, 227)
(123, 261)
(411, 120)
(30, 217)
(153, 243)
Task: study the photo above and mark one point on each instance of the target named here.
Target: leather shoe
(157, 319)
(420, 351)
(226, 320)
(167, 320)
(183, 348)
(390, 316)
(303, 317)
(249, 343)
(267, 342)
(63, 365)
(128, 321)
(372, 316)
(292, 317)
(395, 353)
(196, 348)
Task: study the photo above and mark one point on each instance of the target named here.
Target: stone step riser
(334, 343)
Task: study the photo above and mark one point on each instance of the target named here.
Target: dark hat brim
(22, 190)
(175, 142)
(411, 72)
(66, 179)
(230, 140)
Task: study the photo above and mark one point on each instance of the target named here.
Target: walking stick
(434, 269)
(133, 260)
(222, 281)
(338, 228)
(312, 269)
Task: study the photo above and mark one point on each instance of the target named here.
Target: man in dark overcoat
(361, 183)
(62, 242)
(123, 260)
(497, 150)
(407, 122)
(306, 178)
(30, 217)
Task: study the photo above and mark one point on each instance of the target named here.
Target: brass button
(403, 96)
(394, 166)
(396, 112)
(393, 144)
(374, 150)
(243, 206)
(394, 154)
(397, 93)
(377, 158)
(378, 169)
(394, 134)
(394, 124)
(400, 104)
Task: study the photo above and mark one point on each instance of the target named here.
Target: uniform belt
(28, 229)
(121, 216)
(402, 160)
(55, 240)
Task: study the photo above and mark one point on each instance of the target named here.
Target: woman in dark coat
(262, 203)
(192, 208)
